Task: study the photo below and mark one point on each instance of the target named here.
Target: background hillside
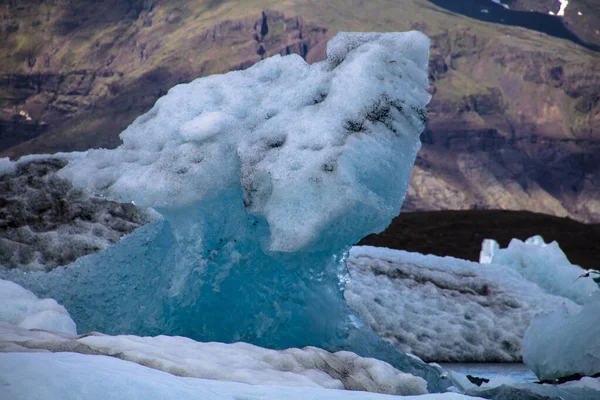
(514, 122)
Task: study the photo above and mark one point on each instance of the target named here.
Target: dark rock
(476, 380)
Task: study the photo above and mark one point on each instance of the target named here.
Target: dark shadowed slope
(460, 233)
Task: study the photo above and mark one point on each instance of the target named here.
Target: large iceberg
(264, 178)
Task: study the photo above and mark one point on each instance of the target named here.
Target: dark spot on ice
(355, 126)
(328, 167)
(275, 142)
(379, 111)
(321, 96)
(421, 112)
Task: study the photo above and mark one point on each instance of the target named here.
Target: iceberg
(24, 309)
(264, 178)
(564, 344)
(445, 309)
(547, 266)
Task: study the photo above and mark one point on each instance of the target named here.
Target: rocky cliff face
(514, 122)
(108, 63)
(522, 133)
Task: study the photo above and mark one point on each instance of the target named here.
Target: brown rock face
(523, 133)
(514, 122)
(46, 106)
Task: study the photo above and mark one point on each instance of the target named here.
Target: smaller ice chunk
(561, 344)
(22, 308)
(547, 266)
(489, 247)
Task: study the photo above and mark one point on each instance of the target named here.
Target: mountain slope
(514, 122)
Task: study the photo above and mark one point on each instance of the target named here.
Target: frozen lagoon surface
(264, 178)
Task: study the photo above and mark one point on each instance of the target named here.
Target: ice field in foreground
(107, 378)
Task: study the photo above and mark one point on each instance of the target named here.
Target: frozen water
(312, 145)
(22, 308)
(489, 247)
(562, 344)
(237, 362)
(548, 267)
(46, 222)
(107, 378)
(442, 308)
(264, 178)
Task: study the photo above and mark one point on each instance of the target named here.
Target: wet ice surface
(516, 371)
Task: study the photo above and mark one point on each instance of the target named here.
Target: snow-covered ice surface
(264, 177)
(237, 362)
(20, 307)
(445, 309)
(24, 376)
(562, 344)
(547, 266)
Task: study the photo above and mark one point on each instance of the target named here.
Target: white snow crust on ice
(547, 266)
(62, 376)
(442, 308)
(20, 307)
(237, 362)
(311, 145)
(561, 343)
(9, 166)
